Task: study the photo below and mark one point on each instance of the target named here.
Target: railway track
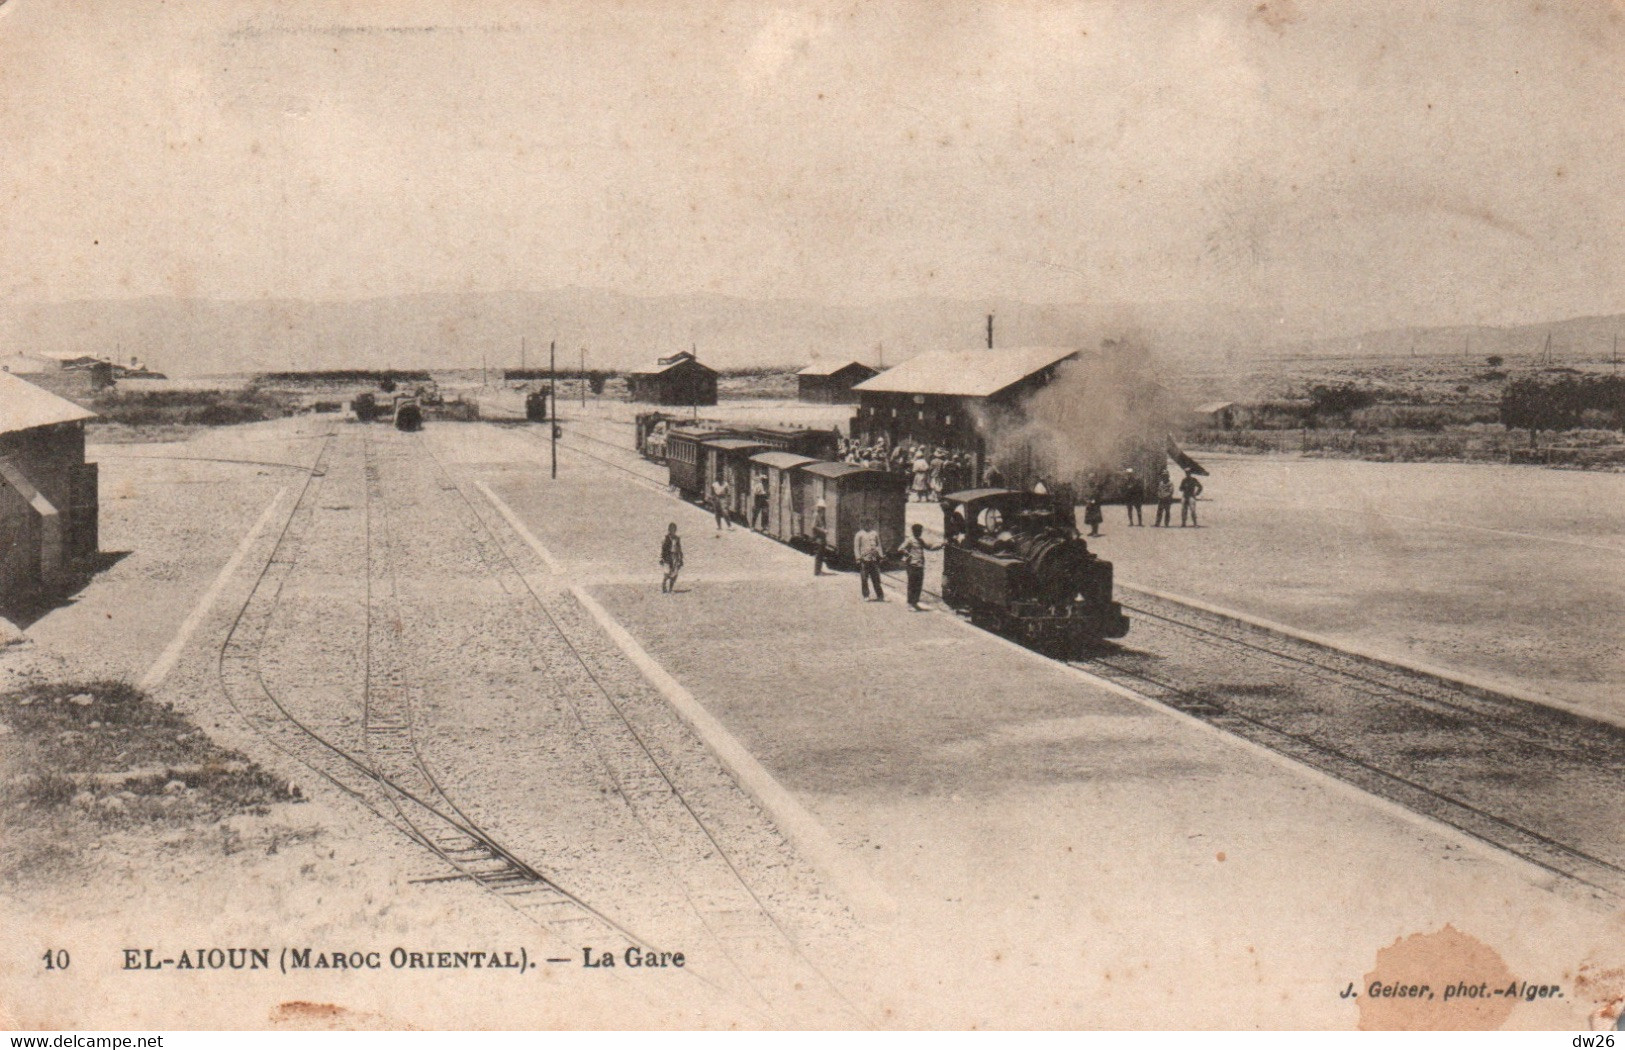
(761, 950)
(383, 770)
(1525, 778)
(377, 757)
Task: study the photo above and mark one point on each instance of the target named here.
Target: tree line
(1567, 401)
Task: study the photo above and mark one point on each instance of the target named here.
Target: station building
(831, 382)
(48, 494)
(676, 380)
(940, 397)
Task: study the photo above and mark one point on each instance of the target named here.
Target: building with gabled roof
(48, 493)
(936, 398)
(831, 382)
(679, 379)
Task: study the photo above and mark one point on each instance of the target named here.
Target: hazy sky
(1394, 162)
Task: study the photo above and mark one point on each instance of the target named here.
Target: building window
(947, 420)
(920, 415)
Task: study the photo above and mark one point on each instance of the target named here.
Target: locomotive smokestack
(990, 331)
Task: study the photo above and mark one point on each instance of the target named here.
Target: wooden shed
(48, 493)
(831, 382)
(676, 380)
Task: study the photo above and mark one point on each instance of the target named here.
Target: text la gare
(633, 957)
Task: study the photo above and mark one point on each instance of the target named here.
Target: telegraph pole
(990, 331)
(553, 405)
(583, 377)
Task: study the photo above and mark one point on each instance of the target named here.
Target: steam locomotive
(1014, 562)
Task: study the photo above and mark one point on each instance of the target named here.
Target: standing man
(866, 547)
(1134, 498)
(1189, 489)
(719, 504)
(671, 556)
(913, 552)
(1092, 516)
(820, 535)
(758, 502)
(1165, 501)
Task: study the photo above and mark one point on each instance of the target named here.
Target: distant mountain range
(1574, 341)
(449, 331)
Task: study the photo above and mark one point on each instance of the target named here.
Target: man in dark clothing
(820, 535)
(1189, 489)
(913, 552)
(1134, 498)
(671, 556)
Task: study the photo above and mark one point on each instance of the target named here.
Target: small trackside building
(831, 382)
(676, 380)
(48, 493)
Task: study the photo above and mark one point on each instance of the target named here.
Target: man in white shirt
(719, 504)
(866, 547)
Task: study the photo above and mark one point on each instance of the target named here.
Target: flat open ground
(1017, 845)
(1509, 573)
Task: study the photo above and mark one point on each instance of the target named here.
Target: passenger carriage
(812, 442)
(685, 461)
(649, 430)
(852, 495)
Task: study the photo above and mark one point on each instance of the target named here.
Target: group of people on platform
(932, 469)
(1161, 492)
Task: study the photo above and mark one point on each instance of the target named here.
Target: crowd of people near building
(931, 469)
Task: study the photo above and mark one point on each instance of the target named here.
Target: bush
(1340, 400)
(208, 408)
(1561, 400)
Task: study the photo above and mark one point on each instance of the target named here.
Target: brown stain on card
(1415, 974)
(300, 1015)
(1605, 988)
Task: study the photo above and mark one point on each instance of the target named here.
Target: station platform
(1047, 851)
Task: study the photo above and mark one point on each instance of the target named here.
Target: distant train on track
(1013, 561)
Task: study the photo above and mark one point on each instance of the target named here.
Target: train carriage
(784, 509)
(728, 459)
(685, 462)
(812, 442)
(852, 496)
(408, 413)
(649, 432)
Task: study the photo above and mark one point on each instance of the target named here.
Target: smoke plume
(1102, 413)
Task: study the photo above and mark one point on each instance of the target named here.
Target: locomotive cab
(1015, 561)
